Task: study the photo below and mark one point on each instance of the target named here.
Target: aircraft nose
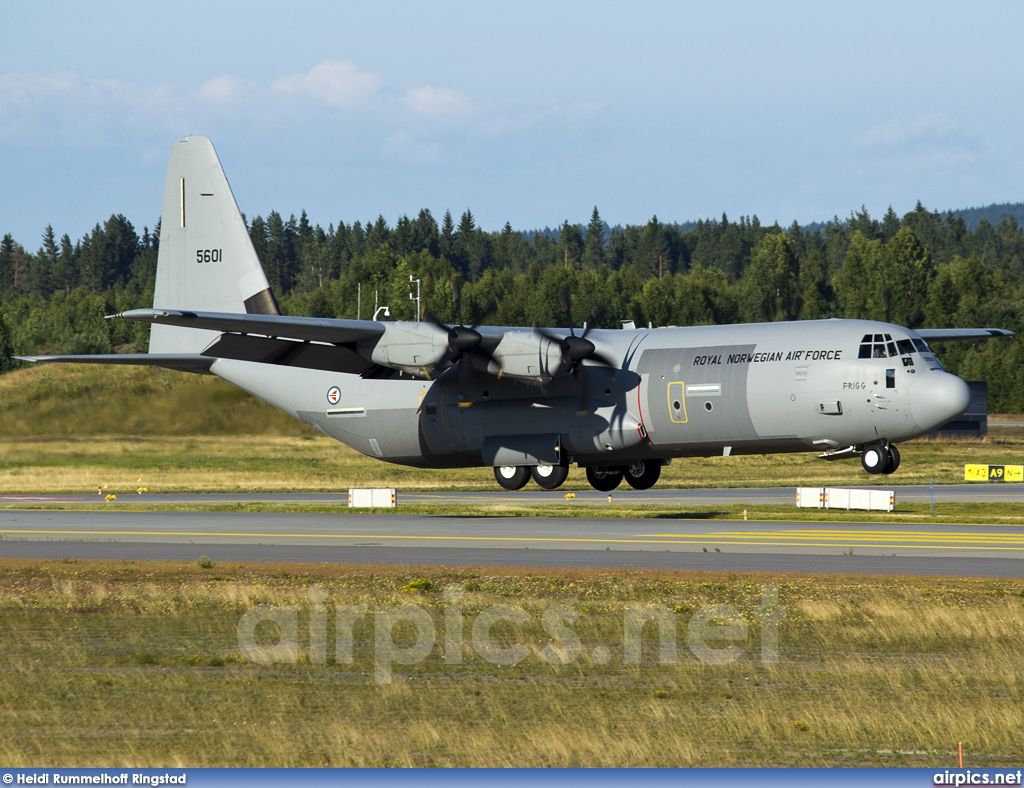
(938, 397)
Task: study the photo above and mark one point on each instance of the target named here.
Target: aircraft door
(695, 396)
(432, 421)
(677, 402)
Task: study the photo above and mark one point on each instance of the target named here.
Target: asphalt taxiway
(656, 543)
(910, 493)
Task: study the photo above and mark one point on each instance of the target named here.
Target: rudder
(206, 260)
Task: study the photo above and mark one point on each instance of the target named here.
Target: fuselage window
(890, 378)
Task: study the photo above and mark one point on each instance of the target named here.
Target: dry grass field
(138, 664)
(80, 429)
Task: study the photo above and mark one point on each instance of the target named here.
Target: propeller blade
(582, 391)
(489, 309)
(563, 296)
(549, 336)
(465, 370)
(446, 359)
(595, 317)
(602, 360)
(431, 319)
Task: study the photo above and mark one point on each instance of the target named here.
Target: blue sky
(528, 112)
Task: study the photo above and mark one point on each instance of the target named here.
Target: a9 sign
(209, 255)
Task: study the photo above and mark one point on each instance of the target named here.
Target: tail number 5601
(209, 255)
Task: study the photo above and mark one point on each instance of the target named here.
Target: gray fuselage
(680, 392)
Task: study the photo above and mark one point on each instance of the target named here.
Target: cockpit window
(906, 346)
(922, 346)
(879, 351)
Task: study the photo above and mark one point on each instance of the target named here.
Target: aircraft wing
(960, 334)
(185, 362)
(307, 329)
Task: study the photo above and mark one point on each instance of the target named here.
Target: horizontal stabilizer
(184, 362)
(310, 329)
(960, 334)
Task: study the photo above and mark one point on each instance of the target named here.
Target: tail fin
(206, 262)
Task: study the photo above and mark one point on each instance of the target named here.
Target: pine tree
(593, 247)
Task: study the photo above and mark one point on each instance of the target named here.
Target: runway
(910, 493)
(654, 543)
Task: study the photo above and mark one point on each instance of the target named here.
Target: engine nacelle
(528, 358)
(413, 348)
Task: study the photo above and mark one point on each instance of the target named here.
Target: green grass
(80, 429)
(308, 463)
(84, 400)
(131, 664)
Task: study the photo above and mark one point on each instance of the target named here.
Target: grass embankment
(122, 664)
(78, 429)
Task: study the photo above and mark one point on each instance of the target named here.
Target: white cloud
(225, 88)
(77, 111)
(410, 149)
(933, 129)
(337, 82)
(438, 102)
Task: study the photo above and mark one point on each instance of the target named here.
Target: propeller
(576, 349)
(463, 340)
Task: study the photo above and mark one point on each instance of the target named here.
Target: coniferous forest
(923, 269)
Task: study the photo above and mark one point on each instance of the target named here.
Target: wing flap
(287, 352)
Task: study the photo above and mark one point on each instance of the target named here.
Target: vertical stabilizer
(206, 262)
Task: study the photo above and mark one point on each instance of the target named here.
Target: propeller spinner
(463, 341)
(576, 349)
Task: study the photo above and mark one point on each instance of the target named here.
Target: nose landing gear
(880, 458)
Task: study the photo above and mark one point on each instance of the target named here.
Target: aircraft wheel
(512, 477)
(550, 477)
(603, 478)
(875, 458)
(894, 460)
(642, 475)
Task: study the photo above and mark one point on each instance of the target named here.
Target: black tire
(874, 458)
(603, 478)
(550, 477)
(642, 474)
(894, 460)
(512, 477)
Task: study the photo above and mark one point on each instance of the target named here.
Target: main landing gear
(512, 477)
(515, 477)
(880, 458)
(640, 475)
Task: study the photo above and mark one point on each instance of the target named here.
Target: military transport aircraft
(619, 403)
